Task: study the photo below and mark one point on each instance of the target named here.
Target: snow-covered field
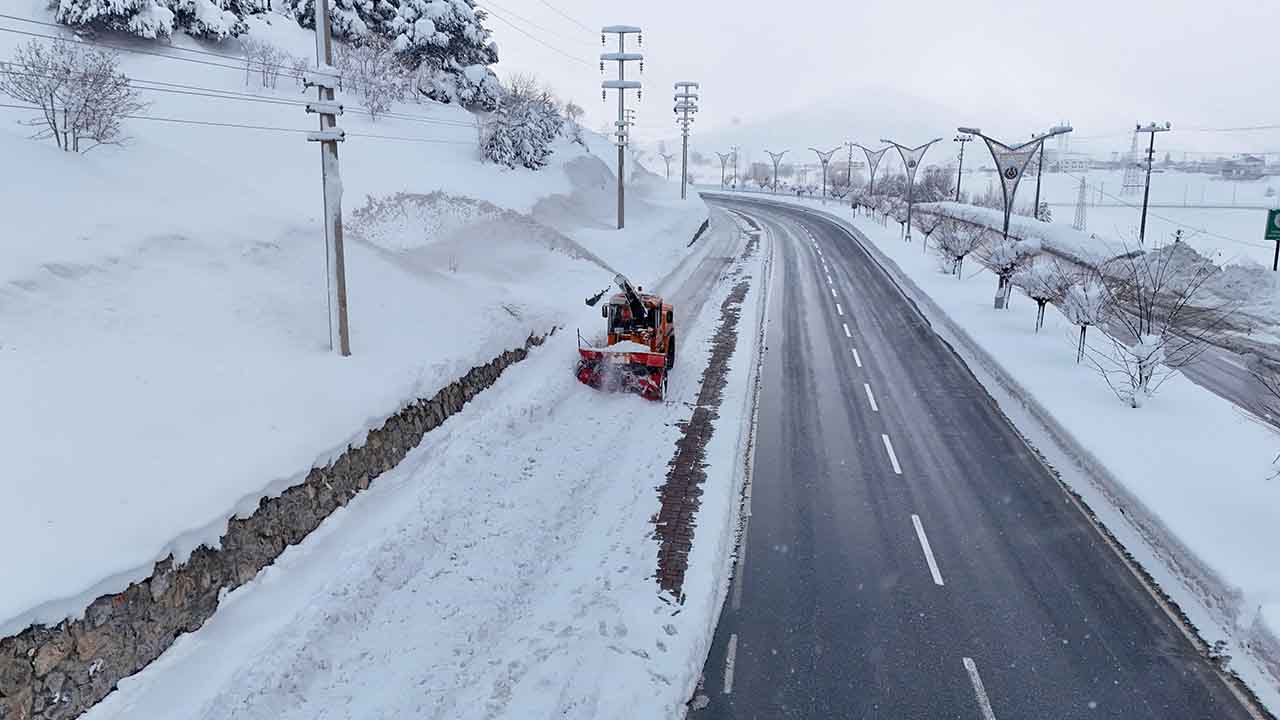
(504, 569)
(163, 334)
(1198, 468)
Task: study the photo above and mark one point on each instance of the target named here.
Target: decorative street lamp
(1011, 162)
(777, 158)
(873, 161)
(824, 158)
(911, 159)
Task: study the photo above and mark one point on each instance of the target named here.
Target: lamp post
(911, 160)
(724, 161)
(1055, 130)
(873, 161)
(824, 158)
(777, 158)
(1151, 128)
(1011, 162)
(962, 139)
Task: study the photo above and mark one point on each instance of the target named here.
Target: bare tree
(957, 240)
(1043, 281)
(375, 72)
(1162, 320)
(81, 94)
(1006, 256)
(573, 114)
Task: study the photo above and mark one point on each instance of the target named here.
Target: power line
(539, 40)
(566, 16)
(518, 16)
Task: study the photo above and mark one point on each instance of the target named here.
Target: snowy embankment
(163, 333)
(504, 569)
(1187, 482)
(1071, 244)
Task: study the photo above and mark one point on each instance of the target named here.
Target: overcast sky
(1007, 66)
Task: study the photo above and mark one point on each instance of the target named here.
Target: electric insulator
(601, 67)
(604, 95)
(641, 67)
(640, 39)
(602, 38)
(639, 94)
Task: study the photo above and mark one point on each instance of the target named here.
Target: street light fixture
(963, 140)
(777, 158)
(1055, 130)
(911, 160)
(1151, 160)
(873, 162)
(824, 158)
(1011, 162)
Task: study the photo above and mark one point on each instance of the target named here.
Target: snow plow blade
(643, 373)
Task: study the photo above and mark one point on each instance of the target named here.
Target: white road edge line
(856, 359)
(729, 659)
(846, 330)
(871, 398)
(893, 457)
(928, 551)
(839, 309)
(984, 704)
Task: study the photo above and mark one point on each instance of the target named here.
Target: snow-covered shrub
(263, 60)
(144, 18)
(957, 240)
(474, 87)
(81, 92)
(1043, 281)
(1162, 321)
(522, 128)
(372, 70)
(1006, 256)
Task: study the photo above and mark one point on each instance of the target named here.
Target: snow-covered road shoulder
(505, 569)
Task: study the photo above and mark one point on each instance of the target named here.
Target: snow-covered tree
(524, 125)
(442, 32)
(474, 87)
(1006, 256)
(213, 19)
(144, 18)
(350, 19)
(958, 239)
(82, 95)
(1085, 302)
(1043, 281)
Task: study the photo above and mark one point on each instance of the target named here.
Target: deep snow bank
(163, 333)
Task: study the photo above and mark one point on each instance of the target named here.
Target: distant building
(1245, 167)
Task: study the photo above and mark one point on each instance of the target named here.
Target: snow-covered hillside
(163, 333)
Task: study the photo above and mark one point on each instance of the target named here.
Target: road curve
(907, 555)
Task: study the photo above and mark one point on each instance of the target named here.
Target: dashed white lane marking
(839, 309)
(928, 551)
(833, 292)
(856, 358)
(984, 704)
(846, 330)
(871, 398)
(893, 457)
(830, 281)
(729, 659)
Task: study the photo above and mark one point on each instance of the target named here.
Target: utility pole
(1151, 128)
(962, 139)
(911, 162)
(686, 104)
(735, 149)
(622, 85)
(724, 162)
(777, 158)
(324, 78)
(667, 158)
(824, 158)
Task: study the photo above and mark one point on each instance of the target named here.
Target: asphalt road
(907, 555)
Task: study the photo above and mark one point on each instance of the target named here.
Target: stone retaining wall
(48, 673)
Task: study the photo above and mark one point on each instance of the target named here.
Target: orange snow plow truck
(641, 344)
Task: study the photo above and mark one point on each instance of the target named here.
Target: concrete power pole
(735, 149)
(1151, 128)
(777, 158)
(324, 79)
(686, 105)
(622, 85)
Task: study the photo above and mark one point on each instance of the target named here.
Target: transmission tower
(1080, 222)
(1133, 166)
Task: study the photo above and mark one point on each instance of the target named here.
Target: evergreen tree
(443, 33)
(145, 18)
(352, 20)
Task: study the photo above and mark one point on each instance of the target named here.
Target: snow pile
(163, 327)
